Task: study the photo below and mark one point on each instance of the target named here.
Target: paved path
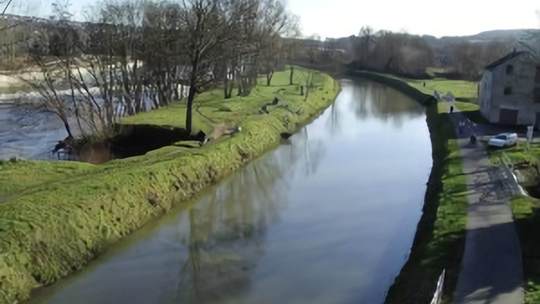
(491, 271)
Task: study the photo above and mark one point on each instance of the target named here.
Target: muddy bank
(134, 140)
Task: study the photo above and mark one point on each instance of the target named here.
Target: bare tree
(133, 56)
(4, 5)
(469, 59)
(273, 21)
(207, 25)
(392, 52)
(363, 45)
(56, 74)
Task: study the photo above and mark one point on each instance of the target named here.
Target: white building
(510, 90)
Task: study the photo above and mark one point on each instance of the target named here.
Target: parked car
(503, 140)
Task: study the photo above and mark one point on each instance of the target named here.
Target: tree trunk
(181, 91)
(66, 124)
(189, 108)
(68, 129)
(291, 76)
(175, 92)
(191, 94)
(226, 87)
(269, 78)
(233, 81)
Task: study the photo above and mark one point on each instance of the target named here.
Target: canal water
(327, 217)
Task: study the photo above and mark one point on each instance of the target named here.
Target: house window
(537, 94)
(509, 69)
(537, 79)
(508, 91)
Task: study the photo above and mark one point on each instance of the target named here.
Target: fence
(437, 297)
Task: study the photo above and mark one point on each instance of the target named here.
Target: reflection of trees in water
(310, 152)
(380, 101)
(333, 122)
(228, 225)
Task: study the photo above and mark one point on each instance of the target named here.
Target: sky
(339, 18)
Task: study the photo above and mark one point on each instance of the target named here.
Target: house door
(537, 123)
(508, 117)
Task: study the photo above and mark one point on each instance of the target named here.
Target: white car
(503, 140)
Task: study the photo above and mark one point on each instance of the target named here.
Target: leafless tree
(469, 59)
(211, 28)
(4, 5)
(392, 52)
(290, 43)
(363, 44)
(132, 56)
(56, 74)
(205, 27)
(272, 24)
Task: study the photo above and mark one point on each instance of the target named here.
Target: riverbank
(440, 235)
(58, 216)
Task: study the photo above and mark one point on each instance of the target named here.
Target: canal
(327, 217)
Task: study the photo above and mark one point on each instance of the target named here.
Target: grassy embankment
(526, 211)
(465, 92)
(440, 234)
(56, 216)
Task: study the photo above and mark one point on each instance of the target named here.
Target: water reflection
(328, 218)
(384, 103)
(228, 225)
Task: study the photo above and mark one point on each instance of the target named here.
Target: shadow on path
(491, 270)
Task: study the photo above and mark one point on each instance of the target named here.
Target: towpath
(491, 270)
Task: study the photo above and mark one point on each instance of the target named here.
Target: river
(327, 217)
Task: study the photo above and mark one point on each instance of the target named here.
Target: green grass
(526, 212)
(463, 90)
(440, 236)
(57, 216)
(518, 154)
(211, 108)
(20, 176)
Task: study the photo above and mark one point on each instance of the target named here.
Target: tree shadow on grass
(133, 140)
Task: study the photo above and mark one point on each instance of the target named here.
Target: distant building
(510, 90)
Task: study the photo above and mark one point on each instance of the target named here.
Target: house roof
(504, 59)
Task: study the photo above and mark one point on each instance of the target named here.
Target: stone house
(509, 92)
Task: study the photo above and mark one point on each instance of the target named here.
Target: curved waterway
(327, 217)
